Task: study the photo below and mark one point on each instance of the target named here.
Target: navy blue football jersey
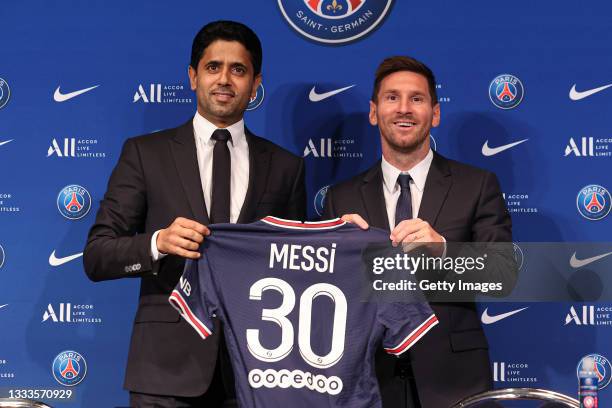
(290, 297)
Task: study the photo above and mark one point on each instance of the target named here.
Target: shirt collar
(203, 129)
(418, 173)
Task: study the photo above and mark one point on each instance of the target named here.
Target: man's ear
(435, 121)
(372, 114)
(256, 84)
(193, 76)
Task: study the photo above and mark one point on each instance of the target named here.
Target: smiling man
(164, 191)
(424, 198)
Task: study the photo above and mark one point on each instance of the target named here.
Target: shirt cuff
(156, 255)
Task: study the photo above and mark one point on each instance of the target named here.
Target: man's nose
(404, 106)
(224, 76)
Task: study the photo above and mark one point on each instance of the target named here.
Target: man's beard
(409, 148)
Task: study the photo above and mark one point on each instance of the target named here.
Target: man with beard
(166, 188)
(424, 198)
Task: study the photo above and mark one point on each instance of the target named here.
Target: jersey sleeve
(405, 324)
(194, 296)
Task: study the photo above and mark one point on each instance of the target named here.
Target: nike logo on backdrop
(2, 306)
(486, 319)
(54, 261)
(579, 263)
(318, 97)
(576, 95)
(6, 141)
(58, 96)
(492, 151)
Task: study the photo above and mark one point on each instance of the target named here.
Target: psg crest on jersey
(506, 91)
(74, 202)
(5, 93)
(257, 100)
(69, 368)
(603, 369)
(593, 202)
(319, 200)
(334, 21)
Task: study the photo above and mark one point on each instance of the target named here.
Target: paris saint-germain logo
(593, 202)
(432, 143)
(69, 368)
(258, 99)
(319, 200)
(74, 202)
(334, 21)
(5, 93)
(506, 91)
(603, 369)
(519, 256)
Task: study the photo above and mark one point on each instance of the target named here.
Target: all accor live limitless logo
(162, 93)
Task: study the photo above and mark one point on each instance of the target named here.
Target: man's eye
(239, 70)
(212, 68)
(417, 99)
(391, 97)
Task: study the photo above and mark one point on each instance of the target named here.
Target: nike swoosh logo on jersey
(576, 95)
(5, 142)
(318, 97)
(58, 96)
(579, 263)
(487, 319)
(492, 151)
(54, 261)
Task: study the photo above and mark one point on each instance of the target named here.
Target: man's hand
(355, 219)
(183, 238)
(416, 232)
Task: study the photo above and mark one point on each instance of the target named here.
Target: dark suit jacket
(463, 204)
(155, 181)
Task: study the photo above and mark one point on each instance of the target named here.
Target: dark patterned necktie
(221, 177)
(403, 210)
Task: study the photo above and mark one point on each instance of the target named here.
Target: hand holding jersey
(411, 234)
(183, 238)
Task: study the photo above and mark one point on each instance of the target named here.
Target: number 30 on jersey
(279, 317)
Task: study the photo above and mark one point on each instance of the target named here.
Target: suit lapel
(259, 163)
(374, 198)
(437, 184)
(186, 160)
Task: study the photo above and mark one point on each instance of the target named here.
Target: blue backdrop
(522, 92)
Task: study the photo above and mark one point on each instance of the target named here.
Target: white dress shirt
(239, 154)
(392, 190)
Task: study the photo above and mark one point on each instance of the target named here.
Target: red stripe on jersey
(309, 225)
(414, 337)
(188, 314)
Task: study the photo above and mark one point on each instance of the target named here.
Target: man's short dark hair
(401, 63)
(227, 31)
